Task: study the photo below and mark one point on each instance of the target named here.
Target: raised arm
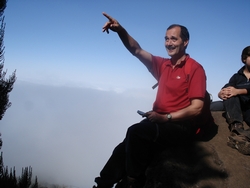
(129, 42)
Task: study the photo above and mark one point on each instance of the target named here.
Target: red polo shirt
(174, 90)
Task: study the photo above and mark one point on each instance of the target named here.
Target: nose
(168, 42)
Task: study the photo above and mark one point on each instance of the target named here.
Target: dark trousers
(237, 110)
(132, 156)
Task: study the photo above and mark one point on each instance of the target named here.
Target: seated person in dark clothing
(236, 95)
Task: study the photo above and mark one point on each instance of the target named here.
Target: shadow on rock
(192, 165)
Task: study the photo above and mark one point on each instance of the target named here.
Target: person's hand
(112, 24)
(228, 92)
(223, 94)
(155, 117)
(232, 91)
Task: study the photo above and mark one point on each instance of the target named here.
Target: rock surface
(204, 164)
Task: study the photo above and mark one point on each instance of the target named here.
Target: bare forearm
(129, 42)
(186, 113)
(189, 112)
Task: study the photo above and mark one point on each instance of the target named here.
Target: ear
(186, 43)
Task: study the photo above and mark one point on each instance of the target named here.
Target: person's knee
(133, 129)
(141, 131)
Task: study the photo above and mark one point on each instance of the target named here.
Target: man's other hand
(156, 117)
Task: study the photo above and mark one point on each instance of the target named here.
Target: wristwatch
(169, 116)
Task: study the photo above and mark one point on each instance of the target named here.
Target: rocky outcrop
(203, 164)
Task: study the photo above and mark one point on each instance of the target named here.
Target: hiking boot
(101, 183)
(239, 142)
(122, 183)
(236, 127)
(98, 186)
(128, 182)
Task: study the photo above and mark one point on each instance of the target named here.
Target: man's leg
(131, 157)
(136, 152)
(143, 139)
(114, 169)
(174, 134)
(139, 145)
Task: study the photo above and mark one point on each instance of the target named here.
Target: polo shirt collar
(181, 64)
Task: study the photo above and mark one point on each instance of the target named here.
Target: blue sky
(57, 45)
(61, 42)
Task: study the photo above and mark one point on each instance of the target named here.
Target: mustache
(170, 47)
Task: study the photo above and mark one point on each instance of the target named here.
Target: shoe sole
(240, 144)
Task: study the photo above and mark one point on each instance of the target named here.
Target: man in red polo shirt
(177, 111)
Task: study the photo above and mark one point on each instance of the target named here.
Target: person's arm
(191, 111)
(229, 90)
(232, 91)
(129, 42)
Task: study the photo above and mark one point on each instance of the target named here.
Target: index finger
(107, 16)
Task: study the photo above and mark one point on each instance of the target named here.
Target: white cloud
(66, 134)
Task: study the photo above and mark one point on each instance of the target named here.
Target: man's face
(175, 46)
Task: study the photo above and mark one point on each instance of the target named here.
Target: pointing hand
(112, 24)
